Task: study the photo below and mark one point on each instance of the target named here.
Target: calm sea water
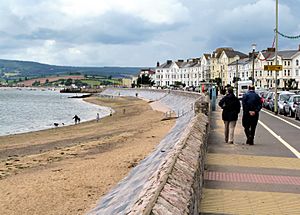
(24, 110)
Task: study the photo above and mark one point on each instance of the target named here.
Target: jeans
(229, 130)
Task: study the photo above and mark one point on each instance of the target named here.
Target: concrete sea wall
(170, 179)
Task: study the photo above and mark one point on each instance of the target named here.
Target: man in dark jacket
(251, 107)
(231, 107)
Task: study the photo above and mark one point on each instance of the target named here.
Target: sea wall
(170, 179)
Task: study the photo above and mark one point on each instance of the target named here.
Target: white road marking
(296, 126)
(292, 149)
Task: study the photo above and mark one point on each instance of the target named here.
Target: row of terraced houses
(225, 64)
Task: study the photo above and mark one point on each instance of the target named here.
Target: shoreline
(66, 170)
(27, 124)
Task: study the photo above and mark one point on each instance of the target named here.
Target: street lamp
(237, 78)
(253, 51)
(276, 61)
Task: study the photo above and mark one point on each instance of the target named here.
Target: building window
(289, 72)
(289, 63)
(297, 72)
(297, 62)
(285, 63)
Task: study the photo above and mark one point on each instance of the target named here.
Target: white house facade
(226, 63)
(174, 72)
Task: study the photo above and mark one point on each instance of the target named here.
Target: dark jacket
(231, 107)
(251, 102)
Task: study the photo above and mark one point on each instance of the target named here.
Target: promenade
(242, 179)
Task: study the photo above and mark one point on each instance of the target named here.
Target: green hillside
(13, 69)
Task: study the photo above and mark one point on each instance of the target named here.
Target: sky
(139, 32)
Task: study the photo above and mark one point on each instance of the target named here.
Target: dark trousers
(249, 124)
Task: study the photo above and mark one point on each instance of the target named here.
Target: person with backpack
(231, 108)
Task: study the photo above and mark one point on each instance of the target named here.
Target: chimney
(169, 61)
(271, 50)
(180, 60)
(157, 64)
(299, 47)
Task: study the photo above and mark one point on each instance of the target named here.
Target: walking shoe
(230, 142)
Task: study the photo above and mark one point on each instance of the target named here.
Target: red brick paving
(251, 178)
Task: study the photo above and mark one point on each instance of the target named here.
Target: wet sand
(66, 170)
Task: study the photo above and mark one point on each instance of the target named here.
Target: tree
(178, 83)
(36, 83)
(290, 83)
(68, 82)
(235, 79)
(144, 80)
(79, 83)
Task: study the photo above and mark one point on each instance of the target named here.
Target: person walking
(251, 107)
(76, 119)
(231, 108)
(98, 117)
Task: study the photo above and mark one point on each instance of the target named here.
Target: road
(259, 179)
(285, 130)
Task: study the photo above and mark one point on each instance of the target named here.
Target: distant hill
(15, 69)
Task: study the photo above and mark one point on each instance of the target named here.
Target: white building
(289, 59)
(226, 63)
(174, 72)
(205, 67)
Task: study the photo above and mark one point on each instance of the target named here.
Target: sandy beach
(66, 170)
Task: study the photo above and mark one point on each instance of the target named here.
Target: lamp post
(276, 61)
(253, 51)
(236, 78)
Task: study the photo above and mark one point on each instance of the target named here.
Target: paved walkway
(239, 179)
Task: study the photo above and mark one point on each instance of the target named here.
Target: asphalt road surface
(277, 131)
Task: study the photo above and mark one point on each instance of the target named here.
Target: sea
(30, 109)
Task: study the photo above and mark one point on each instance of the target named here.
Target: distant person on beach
(76, 119)
(97, 117)
(231, 108)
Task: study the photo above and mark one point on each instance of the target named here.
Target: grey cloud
(112, 28)
(108, 38)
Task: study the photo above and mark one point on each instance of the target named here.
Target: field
(97, 82)
(28, 83)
